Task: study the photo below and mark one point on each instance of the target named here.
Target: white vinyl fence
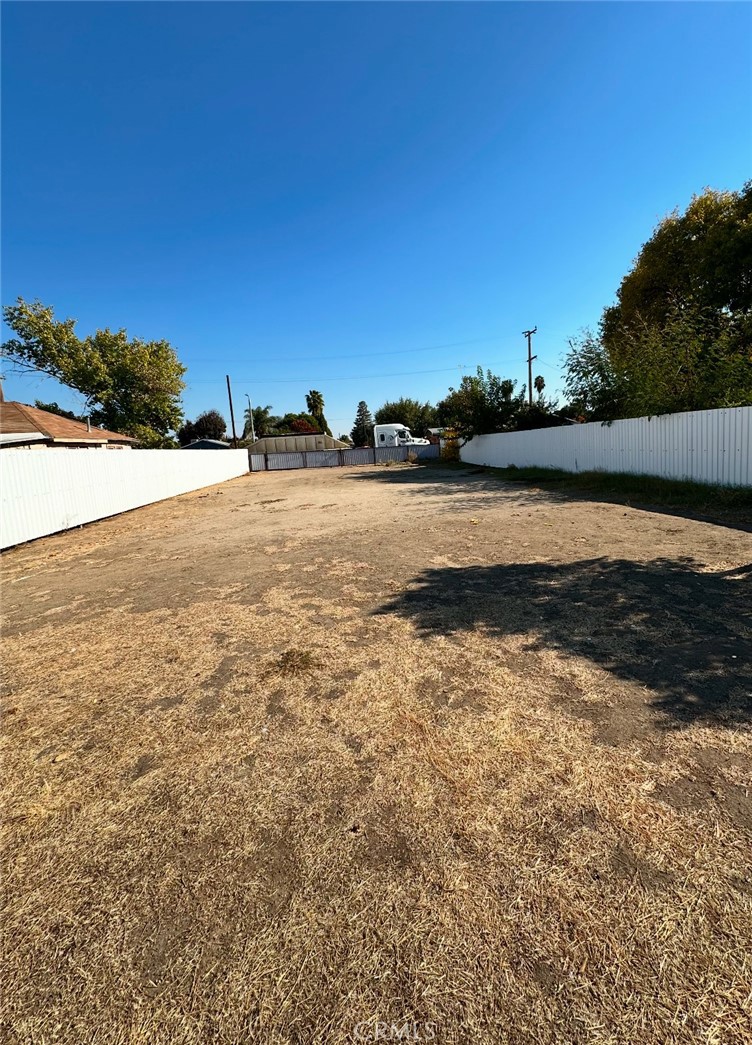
(43, 491)
(708, 446)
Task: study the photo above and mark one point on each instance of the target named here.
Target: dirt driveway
(342, 756)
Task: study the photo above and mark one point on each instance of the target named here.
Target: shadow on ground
(683, 634)
(463, 484)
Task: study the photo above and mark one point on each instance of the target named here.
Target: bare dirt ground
(316, 756)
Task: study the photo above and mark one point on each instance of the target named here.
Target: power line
(311, 380)
(395, 352)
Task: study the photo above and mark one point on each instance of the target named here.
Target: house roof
(211, 444)
(18, 419)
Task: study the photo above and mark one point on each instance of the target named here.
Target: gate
(339, 458)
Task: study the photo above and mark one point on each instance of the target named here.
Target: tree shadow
(468, 489)
(463, 484)
(681, 633)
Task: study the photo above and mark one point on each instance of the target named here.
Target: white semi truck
(395, 435)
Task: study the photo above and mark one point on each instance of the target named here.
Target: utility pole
(530, 357)
(232, 413)
(250, 417)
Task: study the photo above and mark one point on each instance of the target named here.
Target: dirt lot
(311, 754)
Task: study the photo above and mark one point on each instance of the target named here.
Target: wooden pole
(232, 413)
(530, 357)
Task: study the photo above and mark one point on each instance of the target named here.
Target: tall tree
(362, 431)
(315, 404)
(483, 403)
(701, 259)
(416, 416)
(680, 334)
(130, 385)
(208, 425)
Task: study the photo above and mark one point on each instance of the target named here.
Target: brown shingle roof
(29, 420)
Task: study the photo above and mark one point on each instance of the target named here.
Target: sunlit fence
(46, 490)
(709, 446)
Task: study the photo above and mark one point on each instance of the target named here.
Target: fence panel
(322, 458)
(335, 458)
(275, 462)
(361, 455)
(47, 490)
(390, 453)
(711, 446)
(427, 453)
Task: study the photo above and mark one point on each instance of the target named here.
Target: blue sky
(331, 195)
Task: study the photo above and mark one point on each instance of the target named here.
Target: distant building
(282, 444)
(206, 444)
(28, 427)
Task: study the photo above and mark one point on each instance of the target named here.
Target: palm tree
(315, 403)
(261, 421)
(539, 384)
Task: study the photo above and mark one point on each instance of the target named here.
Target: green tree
(596, 389)
(263, 421)
(362, 430)
(130, 385)
(53, 408)
(483, 403)
(315, 404)
(700, 260)
(416, 416)
(679, 336)
(208, 425)
(299, 423)
(686, 362)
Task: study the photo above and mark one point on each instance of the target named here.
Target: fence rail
(44, 491)
(338, 458)
(709, 446)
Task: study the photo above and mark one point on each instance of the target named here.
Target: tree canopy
(416, 416)
(208, 425)
(679, 336)
(130, 385)
(700, 259)
(53, 408)
(483, 403)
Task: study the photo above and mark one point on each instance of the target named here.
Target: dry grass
(272, 819)
(294, 662)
